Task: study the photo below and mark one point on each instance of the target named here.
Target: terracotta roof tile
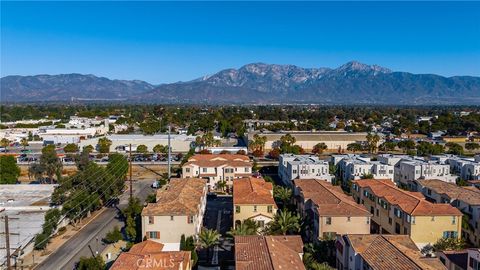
(330, 200)
(391, 252)
(227, 160)
(180, 197)
(470, 195)
(252, 190)
(256, 252)
(149, 255)
(413, 203)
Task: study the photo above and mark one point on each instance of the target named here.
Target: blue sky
(162, 42)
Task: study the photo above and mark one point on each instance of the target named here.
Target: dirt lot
(150, 171)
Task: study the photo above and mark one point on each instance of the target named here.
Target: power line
(88, 197)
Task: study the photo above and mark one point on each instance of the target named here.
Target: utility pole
(7, 241)
(130, 165)
(169, 153)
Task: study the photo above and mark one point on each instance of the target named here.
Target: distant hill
(352, 83)
(67, 86)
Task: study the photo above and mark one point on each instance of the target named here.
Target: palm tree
(5, 143)
(207, 239)
(248, 227)
(24, 142)
(284, 194)
(284, 222)
(221, 185)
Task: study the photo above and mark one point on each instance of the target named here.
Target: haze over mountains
(352, 83)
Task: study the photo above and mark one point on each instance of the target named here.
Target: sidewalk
(30, 260)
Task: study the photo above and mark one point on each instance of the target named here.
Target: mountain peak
(357, 66)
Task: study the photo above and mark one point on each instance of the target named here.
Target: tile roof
(467, 194)
(149, 255)
(413, 203)
(180, 197)
(252, 190)
(330, 200)
(391, 252)
(255, 252)
(212, 160)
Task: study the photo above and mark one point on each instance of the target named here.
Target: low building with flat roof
(335, 140)
(180, 143)
(26, 206)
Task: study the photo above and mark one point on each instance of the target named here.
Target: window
(204, 170)
(151, 220)
(450, 234)
(429, 191)
(409, 218)
(171, 218)
(294, 171)
(413, 220)
(405, 231)
(190, 220)
(377, 212)
(254, 208)
(328, 221)
(246, 169)
(368, 220)
(154, 235)
(348, 219)
(397, 212)
(269, 209)
(237, 209)
(390, 220)
(454, 219)
(261, 223)
(187, 170)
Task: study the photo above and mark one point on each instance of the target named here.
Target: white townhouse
(292, 167)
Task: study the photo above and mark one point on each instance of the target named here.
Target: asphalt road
(88, 241)
(219, 216)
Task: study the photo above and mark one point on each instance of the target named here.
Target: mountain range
(256, 83)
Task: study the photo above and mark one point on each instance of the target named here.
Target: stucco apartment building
(253, 199)
(465, 199)
(179, 209)
(407, 171)
(329, 210)
(396, 211)
(216, 168)
(381, 252)
(255, 252)
(151, 255)
(292, 167)
(335, 140)
(353, 167)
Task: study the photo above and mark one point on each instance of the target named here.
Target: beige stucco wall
(425, 230)
(170, 230)
(341, 225)
(246, 211)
